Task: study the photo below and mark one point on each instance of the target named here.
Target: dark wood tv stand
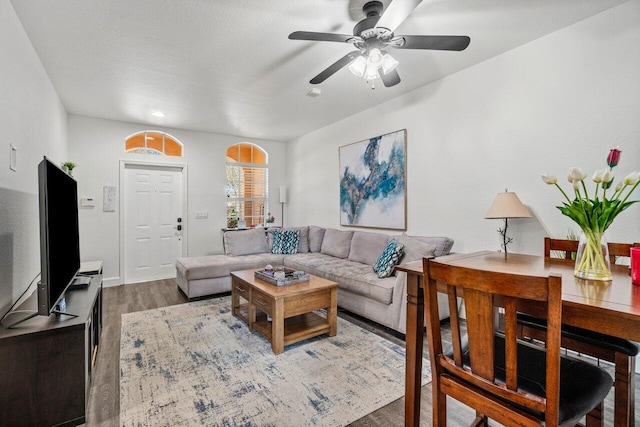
(46, 362)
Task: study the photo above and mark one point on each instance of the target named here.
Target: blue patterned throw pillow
(389, 258)
(285, 241)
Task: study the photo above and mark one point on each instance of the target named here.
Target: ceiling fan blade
(320, 37)
(392, 78)
(435, 42)
(331, 69)
(396, 13)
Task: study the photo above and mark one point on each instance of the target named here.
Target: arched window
(153, 142)
(247, 185)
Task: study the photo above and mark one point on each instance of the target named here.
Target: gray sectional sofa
(345, 257)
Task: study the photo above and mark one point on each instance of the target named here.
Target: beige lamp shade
(507, 205)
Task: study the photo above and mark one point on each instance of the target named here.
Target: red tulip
(614, 157)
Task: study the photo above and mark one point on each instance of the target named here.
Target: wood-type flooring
(103, 408)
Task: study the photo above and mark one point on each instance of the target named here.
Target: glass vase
(592, 259)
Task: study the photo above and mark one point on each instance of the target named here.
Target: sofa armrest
(400, 292)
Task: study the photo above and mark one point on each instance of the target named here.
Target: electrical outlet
(202, 215)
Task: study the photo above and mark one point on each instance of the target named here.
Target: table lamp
(507, 205)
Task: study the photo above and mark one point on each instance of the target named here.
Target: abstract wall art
(373, 182)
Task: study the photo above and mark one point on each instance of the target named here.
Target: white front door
(153, 222)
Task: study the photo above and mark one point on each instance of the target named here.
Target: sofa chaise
(345, 257)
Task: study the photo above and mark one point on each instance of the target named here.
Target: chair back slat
(484, 292)
(455, 323)
(480, 332)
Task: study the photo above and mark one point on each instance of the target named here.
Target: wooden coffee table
(290, 308)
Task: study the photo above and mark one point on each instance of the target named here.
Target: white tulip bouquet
(595, 215)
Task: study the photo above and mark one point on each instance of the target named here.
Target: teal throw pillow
(389, 258)
(285, 241)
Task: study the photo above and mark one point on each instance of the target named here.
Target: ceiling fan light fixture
(389, 63)
(373, 35)
(358, 66)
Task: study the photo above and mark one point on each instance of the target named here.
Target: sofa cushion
(303, 242)
(316, 234)
(285, 241)
(443, 244)
(336, 243)
(366, 247)
(212, 266)
(414, 249)
(245, 242)
(389, 258)
(353, 276)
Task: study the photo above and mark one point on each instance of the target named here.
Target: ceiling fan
(372, 36)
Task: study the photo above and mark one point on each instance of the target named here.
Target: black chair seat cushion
(618, 345)
(582, 385)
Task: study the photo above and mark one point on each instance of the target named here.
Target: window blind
(247, 193)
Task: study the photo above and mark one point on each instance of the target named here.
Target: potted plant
(69, 166)
(233, 218)
(270, 219)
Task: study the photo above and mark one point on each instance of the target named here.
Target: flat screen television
(59, 235)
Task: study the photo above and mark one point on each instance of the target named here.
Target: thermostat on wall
(87, 202)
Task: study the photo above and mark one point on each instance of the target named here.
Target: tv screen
(59, 238)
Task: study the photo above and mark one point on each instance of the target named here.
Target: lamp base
(282, 213)
(505, 239)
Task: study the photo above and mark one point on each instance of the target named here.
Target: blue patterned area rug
(196, 364)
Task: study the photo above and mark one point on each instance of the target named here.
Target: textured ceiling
(227, 66)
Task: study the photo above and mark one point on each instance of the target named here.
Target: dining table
(610, 307)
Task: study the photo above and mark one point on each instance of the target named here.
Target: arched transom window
(153, 142)
(247, 185)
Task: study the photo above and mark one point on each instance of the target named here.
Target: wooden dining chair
(503, 378)
(567, 248)
(622, 353)
(620, 250)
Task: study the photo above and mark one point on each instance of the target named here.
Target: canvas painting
(373, 182)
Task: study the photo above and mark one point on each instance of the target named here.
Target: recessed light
(315, 91)
(157, 114)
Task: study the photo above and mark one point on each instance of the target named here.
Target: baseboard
(112, 281)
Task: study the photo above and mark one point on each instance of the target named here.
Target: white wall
(97, 147)
(34, 120)
(561, 101)
(557, 102)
